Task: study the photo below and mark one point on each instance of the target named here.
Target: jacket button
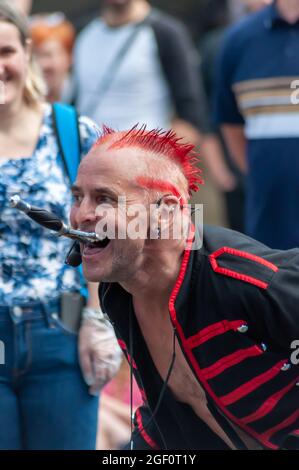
(286, 367)
(242, 329)
(264, 346)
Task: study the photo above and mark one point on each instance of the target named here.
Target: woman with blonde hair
(47, 400)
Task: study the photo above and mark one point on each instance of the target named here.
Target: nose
(84, 216)
(2, 68)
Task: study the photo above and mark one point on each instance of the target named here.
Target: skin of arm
(236, 143)
(93, 296)
(212, 153)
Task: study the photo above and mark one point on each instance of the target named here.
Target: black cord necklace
(163, 389)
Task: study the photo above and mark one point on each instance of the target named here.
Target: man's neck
(289, 10)
(133, 13)
(154, 282)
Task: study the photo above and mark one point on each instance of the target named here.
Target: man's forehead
(110, 170)
(123, 165)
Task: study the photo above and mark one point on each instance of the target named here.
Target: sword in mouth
(52, 222)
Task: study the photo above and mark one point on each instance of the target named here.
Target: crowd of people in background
(229, 94)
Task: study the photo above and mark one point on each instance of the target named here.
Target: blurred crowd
(120, 91)
(228, 93)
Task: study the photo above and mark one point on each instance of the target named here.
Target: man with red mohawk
(210, 330)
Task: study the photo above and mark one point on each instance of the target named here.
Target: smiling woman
(55, 404)
(19, 63)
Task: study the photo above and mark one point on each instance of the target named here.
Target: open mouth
(90, 249)
(99, 244)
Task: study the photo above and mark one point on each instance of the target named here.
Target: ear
(171, 201)
(169, 204)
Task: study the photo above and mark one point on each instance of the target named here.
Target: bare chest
(182, 381)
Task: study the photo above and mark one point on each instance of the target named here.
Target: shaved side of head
(168, 164)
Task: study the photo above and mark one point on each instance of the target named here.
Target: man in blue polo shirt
(256, 107)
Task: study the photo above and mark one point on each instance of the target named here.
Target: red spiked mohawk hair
(161, 142)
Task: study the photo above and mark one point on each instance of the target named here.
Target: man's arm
(279, 304)
(226, 113)
(261, 283)
(236, 143)
(214, 158)
(179, 61)
(212, 147)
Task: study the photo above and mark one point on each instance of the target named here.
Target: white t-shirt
(138, 91)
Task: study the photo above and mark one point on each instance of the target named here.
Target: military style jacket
(235, 312)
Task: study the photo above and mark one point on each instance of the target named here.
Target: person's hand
(99, 353)
(219, 171)
(225, 180)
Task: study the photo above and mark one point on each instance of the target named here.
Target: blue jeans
(44, 401)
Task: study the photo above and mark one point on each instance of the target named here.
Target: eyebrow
(103, 189)
(160, 185)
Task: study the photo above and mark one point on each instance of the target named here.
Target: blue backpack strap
(67, 130)
(66, 126)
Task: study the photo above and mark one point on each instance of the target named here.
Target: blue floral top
(32, 258)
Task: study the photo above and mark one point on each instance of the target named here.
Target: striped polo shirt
(258, 87)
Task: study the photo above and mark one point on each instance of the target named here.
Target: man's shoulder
(251, 26)
(214, 235)
(165, 23)
(239, 258)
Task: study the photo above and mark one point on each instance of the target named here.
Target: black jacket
(235, 310)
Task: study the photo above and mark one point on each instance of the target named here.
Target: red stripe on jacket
(123, 346)
(252, 384)
(283, 424)
(231, 360)
(194, 362)
(269, 404)
(235, 274)
(143, 432)
(211, 331)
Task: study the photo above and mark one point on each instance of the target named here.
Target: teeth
(99, 244)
